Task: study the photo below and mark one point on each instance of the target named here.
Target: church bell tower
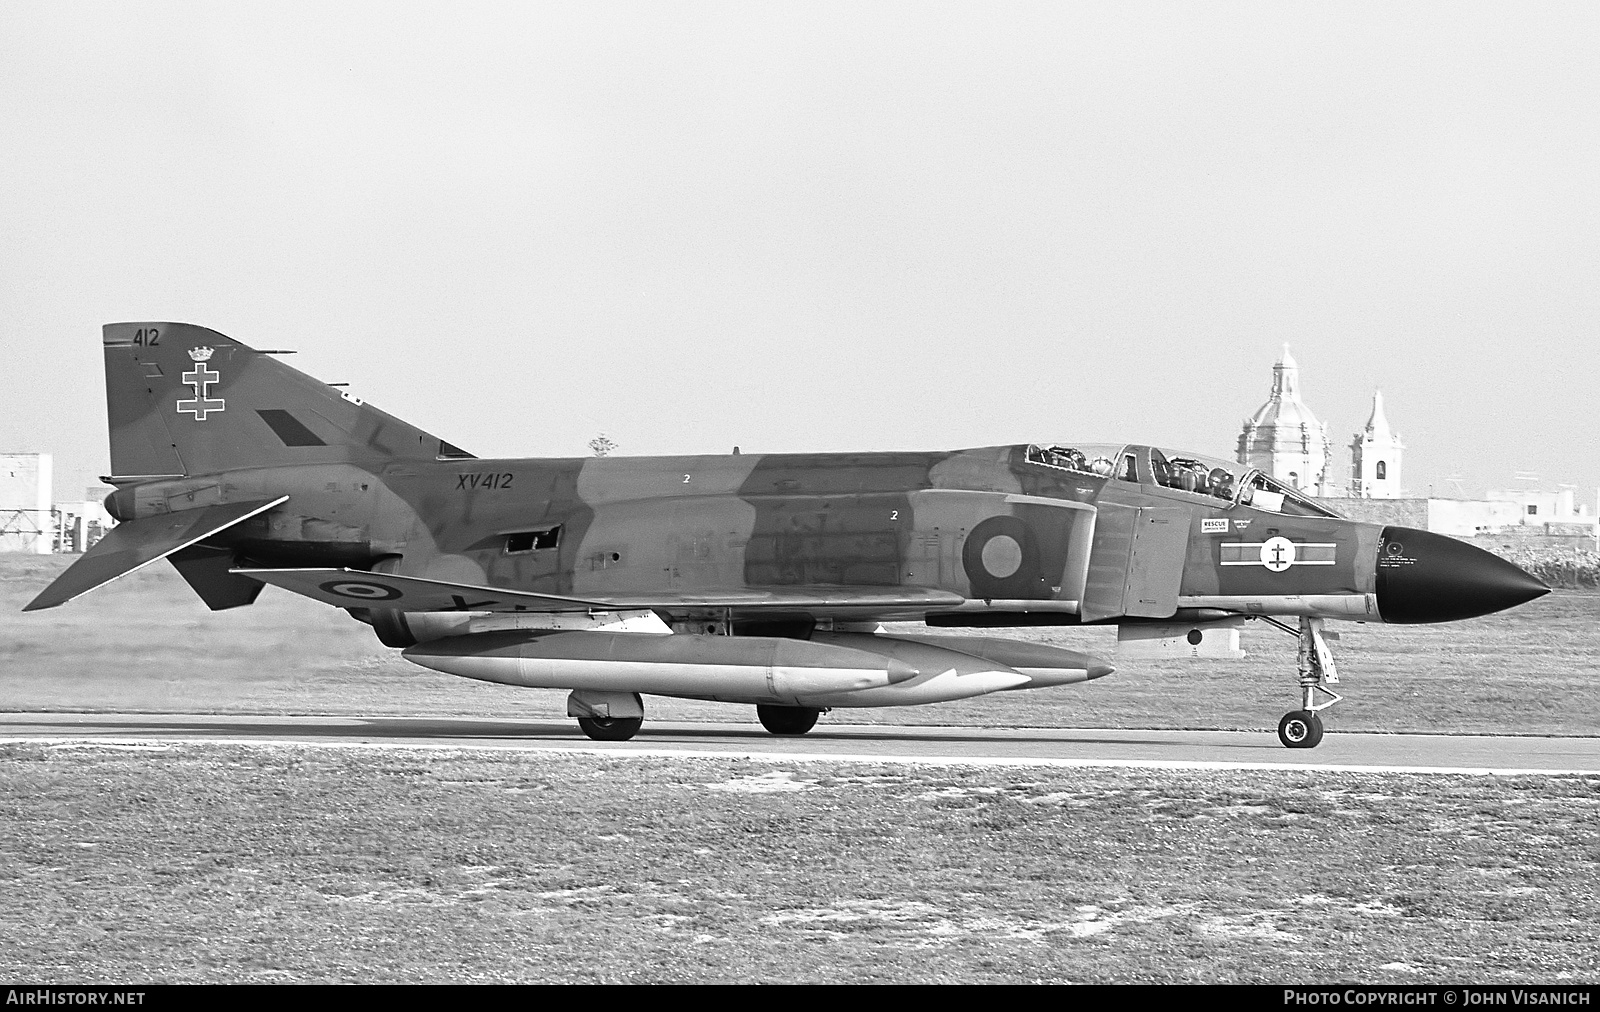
(1375, 457)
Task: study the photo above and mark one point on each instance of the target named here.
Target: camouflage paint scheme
(244, 471)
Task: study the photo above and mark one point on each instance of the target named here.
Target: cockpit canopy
(1222, 481)
(1087, 458)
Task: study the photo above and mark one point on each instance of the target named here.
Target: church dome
(1283, 437)
(1284, 408)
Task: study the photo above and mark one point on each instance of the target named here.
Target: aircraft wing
(824, 598)
(353, 588)
(137, 543)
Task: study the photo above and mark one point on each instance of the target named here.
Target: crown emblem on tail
(201, 354)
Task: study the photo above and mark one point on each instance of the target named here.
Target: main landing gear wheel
(1300, 729)
(788, 719)
(610, 728)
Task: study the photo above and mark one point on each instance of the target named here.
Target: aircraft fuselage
(1010, 535)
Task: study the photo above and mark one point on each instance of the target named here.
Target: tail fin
(182, 400)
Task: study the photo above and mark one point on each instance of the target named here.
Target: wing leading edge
(352, 588)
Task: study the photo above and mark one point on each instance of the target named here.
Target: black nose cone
(1425, 577)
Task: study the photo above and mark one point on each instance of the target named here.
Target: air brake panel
(1136, 567)
(1160, 546)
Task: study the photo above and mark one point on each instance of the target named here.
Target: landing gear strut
(1302, 728)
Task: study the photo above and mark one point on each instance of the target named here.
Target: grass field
(231, 863)
(147, 643)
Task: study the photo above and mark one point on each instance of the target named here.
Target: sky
(824, 226)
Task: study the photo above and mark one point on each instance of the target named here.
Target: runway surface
(844, 742)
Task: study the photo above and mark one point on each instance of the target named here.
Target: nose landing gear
(1302, 728)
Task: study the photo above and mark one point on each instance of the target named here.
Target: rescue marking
(1214, 525)
(1278, 554)
(200, 378)
(361, 591)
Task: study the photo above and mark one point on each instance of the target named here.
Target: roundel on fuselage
(1001, 559)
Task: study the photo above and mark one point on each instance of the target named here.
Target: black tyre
(610, 728)
(1300, 729)
(788, 719)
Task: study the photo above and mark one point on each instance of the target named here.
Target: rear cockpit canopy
(1086, 458)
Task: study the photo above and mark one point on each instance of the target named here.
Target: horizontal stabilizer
(137, 543)
(352, 588)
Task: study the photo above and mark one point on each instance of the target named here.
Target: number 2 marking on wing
(894, 514)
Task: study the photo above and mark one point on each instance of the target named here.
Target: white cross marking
(201, 405)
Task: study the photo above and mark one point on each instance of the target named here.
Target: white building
(1375, 457)
(1533, 507)
(80, 524)
(26, 520)
(1284, 438)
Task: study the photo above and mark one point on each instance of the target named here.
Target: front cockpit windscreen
(1265, 493)
(1223, 479)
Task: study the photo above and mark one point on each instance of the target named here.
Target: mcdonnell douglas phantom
(755, 578)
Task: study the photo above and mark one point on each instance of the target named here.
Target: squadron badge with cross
(200, 378)
(1278, 554)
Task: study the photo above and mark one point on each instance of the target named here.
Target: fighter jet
(762, 579)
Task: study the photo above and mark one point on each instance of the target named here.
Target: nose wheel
(1300, 729)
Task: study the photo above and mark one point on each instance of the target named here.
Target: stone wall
(1560, 565)
(1390, 512)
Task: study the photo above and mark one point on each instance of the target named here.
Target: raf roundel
(361, 591)
(1001, 559)
(1001, 556)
